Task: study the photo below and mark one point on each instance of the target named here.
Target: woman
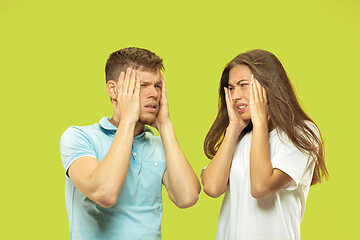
(265, 151)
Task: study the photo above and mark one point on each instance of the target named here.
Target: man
(115, 168)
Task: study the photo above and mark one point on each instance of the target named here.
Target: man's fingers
(127, 80)
(121, 76)
(163, 89)
(120, 83)
(132, 82)
(137, 86)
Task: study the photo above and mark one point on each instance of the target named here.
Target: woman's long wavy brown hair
(284, 109)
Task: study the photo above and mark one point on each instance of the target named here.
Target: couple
(265, 151)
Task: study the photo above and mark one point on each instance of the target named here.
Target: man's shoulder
(80, 132)
(83, 129)
(151, 137)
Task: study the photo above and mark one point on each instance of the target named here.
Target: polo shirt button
(134, 154)
(156, 164)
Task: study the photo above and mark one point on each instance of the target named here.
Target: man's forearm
(182, 184)
(109, 177)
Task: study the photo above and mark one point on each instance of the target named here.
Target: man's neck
(139, 127)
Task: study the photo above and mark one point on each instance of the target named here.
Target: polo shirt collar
(105, 123)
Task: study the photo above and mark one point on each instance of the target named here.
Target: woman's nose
(236, 94)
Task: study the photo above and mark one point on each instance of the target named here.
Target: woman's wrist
(235, 128)
(260, 125)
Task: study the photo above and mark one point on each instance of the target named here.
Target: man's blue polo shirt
(138, 211)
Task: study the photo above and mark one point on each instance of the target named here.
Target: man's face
(150, 95)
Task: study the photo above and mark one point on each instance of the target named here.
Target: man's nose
(152, 92)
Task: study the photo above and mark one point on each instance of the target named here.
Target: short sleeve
(290, 160)
(202, 170)
(74, 144)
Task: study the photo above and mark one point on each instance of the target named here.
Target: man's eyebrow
(149, 82)
(144, 80)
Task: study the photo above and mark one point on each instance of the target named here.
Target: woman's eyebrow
(240, 81)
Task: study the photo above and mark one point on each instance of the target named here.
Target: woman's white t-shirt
(276, 217)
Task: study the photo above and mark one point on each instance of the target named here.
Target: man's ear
(111, 89)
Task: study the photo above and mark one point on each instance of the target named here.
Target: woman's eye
(244, 84)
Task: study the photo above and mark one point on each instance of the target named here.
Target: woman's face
(239, 86)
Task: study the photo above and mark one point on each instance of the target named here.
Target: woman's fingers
(257, 91)
(262, 92)
(227, 97)
(258, 102)
(252, 91)
(229, 103)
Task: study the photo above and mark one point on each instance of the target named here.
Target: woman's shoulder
(305, 129)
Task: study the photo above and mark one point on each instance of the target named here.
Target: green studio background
(52, 58)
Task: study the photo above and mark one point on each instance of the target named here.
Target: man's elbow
(106, 199)
(189, 201)
(107, 203)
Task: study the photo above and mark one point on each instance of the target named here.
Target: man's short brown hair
(137, 58)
